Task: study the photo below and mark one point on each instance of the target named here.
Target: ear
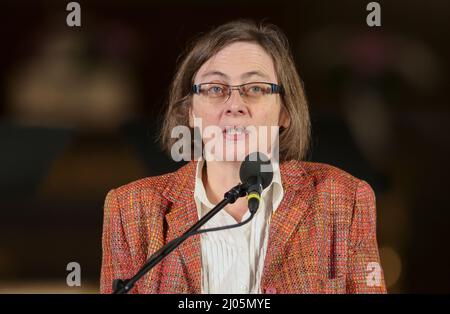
(284, 120)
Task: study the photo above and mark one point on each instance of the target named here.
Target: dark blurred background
(80, 107)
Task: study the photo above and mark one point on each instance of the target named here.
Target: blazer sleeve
(365, 274)
(116, 258)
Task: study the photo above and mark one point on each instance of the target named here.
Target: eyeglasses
(252, 93)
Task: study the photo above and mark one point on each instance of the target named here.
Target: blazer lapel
(182, 215)
(298, 188)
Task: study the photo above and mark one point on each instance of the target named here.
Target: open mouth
(235, 133)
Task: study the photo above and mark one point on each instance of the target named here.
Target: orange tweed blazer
(322, 237)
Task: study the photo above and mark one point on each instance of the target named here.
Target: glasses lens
(214, 93)
(255, 92)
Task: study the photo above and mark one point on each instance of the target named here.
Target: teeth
(235, 130)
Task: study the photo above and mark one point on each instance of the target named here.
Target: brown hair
(293, 140)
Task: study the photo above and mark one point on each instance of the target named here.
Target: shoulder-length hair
(293, 140)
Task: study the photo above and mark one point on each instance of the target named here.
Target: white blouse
(233, 259)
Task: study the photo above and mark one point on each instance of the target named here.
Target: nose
(235, 104)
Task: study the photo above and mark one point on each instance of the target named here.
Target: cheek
(209, 121)
(208, 117)
(267, 117)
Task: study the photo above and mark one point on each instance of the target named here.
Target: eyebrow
(243, 76)
(257, 73)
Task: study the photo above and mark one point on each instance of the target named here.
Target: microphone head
(254, 165)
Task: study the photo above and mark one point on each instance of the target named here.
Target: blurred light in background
(392, 265)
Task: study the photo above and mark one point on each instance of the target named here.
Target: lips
(235, 132)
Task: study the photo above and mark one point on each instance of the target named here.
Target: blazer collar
(181, 183)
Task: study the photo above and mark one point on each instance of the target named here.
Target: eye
(257, 89)
(215, 90)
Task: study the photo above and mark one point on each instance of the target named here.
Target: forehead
(237, 63)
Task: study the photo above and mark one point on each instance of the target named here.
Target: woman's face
(238, 120)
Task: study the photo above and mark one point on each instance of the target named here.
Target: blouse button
(271, 290)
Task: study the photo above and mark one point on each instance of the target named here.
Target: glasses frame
(274, 88)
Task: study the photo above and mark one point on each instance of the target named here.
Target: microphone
(256, 173)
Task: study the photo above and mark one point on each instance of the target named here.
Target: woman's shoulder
(156, 186)
(325, 176)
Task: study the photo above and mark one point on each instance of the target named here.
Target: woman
(314, 231)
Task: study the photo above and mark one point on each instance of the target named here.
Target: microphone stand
(121, 286)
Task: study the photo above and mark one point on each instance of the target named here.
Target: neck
(219, 177)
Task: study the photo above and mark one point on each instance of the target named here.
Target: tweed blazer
(322, 237)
